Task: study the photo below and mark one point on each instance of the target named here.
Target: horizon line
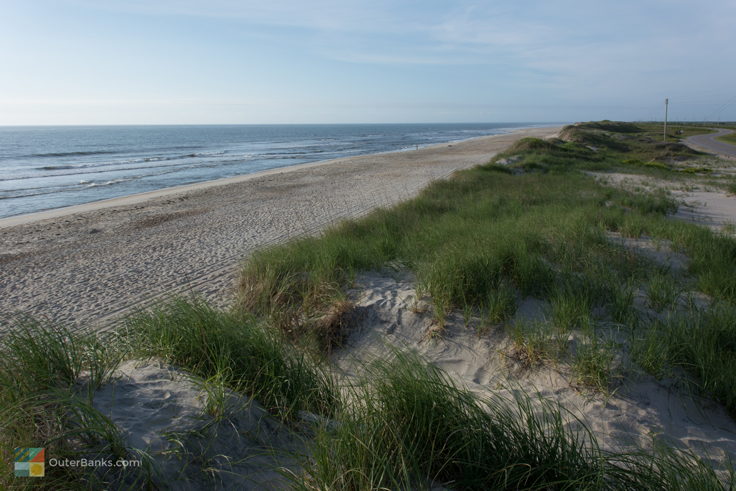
(270, 124)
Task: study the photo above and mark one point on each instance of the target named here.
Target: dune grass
(48, 376)
(701, 342)
(404, 424)
(237, 352)
(530, 223)
(411, 427)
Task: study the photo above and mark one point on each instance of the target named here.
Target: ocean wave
(131, 164)
(42, 191)
(75, 154)
(56, 167)
(184, 156)
(137, 160)
(82, 184)
(110, 183)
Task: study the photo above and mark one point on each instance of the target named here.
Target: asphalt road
(709, 143)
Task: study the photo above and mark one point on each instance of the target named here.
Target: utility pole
(666, 108)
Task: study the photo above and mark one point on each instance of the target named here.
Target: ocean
(44, 167)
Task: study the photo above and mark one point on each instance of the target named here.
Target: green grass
(501, 303)
(531, 222)
(731, 138)
(676, 131)
(621, 306)
(703, 343)
(234, 351)
(593, 365)
(404, 424)
(48, 376)
(538, 342)
(411, 427)
(662, 291)
(484, 238)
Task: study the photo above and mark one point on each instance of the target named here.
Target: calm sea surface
(50, 167)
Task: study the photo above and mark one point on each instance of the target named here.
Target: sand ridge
(88, 266)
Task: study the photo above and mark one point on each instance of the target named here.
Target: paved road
(709, 143)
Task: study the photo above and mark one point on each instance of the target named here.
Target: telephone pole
(666, 108)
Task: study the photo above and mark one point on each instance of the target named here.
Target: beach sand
(89, 265)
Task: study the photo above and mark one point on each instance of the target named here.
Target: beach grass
(403, 424)
(230, 350)
(698, 341)
(412, 427)
(533, 222)
(48, 375)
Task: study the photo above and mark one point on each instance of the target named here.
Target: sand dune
(389, 315)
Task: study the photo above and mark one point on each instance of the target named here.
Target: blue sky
(227, 61)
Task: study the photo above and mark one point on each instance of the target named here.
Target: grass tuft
(593, 365)
(239, 353)
(703, 343)
(662, 291)
(48, 375)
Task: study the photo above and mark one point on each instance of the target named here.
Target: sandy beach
(89, 265)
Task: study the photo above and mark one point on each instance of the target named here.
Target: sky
(376, 61)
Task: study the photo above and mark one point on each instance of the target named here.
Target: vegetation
(411, 427)
(405, 424)
(701, 342)
(533, 222)
(237, 352)
(730, 138)
(51, 404)
(48, 376)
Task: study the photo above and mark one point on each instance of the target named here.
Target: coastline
(88, 265)
(136, 198)
(572, 338)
